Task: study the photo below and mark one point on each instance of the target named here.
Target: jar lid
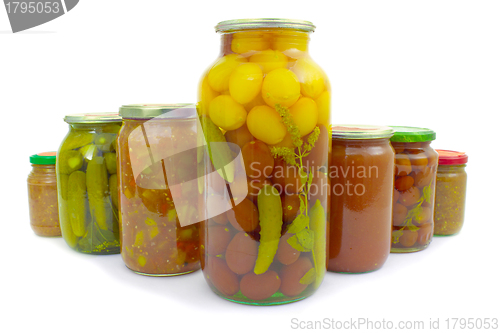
(148, 111)
(361, 132)
(244, 24)
(450, 157)
(92, 118)
(44, 158)
(412, 134)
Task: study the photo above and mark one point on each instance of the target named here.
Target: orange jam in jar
(361, 174)
(451, 184)
(414, 189)
(42, 195)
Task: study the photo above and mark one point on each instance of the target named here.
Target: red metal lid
(450, 157)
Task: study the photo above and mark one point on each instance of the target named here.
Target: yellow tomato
(305, 115)
(287, 40)
(218, 76)
(258, 100)
(311, 77)
(286, 142)
(205, 95)
(281, 86)
(244, 42)
(323, 103)
(269, 60)
(245, 82)
(226, 113)
(264, 123)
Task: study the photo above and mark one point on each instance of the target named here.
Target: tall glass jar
(42, 195)
(414, 188)
(87, 186)
(267, 99)
(153, 241)
(362, 177)
(451, 184)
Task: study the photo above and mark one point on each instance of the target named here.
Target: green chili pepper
(97, 188)
(218, 149)
(69, 161)
(270, 215)
(113, 189)
(317, 218)
(77, 190)
(110, 159)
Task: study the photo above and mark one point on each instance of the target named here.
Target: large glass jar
(414, 189)
(451, 184)
(87, 186)
(153, 241)
(267, 99)
(42, 195)
(361, 176)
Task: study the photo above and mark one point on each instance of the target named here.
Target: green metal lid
(244, 24)
(92, 118)
(44, 158)
(356, 132)
(148, 111)
(412, 134)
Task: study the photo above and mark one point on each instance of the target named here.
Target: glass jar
(414, 188)
(267, 99)
(87, 185)
(361, 176)
(42, 195)
(152, 239)
(451, 184)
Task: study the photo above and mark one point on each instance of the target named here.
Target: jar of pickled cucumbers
(87, 183)
(414, 188)
(362, 182)
(451, 183)
(42, 195)
(157, 171)
(270, 103)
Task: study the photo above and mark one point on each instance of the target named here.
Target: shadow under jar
(86, 180)
(414, 188)
(156, 160)
(270, 103)
(361, 176)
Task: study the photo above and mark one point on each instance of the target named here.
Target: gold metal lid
(244, 24)
(148, 111)
(92, 118)
(355, 132)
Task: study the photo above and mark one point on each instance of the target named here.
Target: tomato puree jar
(154, 154)
(42, 195)
(269, 102)
(414, 188)
(451, 184)
(86, 180)
(361, 174)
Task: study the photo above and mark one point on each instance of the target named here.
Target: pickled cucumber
(104, 141)
(270, 214)
(317, 218)
(77, 139)
(110, 159)
(113, 189)
(77, 190)
(66, 229)
(89, 151)
(218, 150)
(97, 188)
(69, 161)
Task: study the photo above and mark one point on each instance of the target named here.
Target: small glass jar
(270, 102)
(361, 175)
(42, 195)
(149, 177)
(414, 188)
(451, 184)
(87, 183)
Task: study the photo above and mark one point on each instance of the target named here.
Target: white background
(424, 63)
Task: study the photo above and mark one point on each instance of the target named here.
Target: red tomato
(241, 253)
(259, 287)
(290, 276)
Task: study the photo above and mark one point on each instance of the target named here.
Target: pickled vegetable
(77, 190)
(110, 159)
(97, 185)
(270, 215)
(281, 86)
(113, 189)
(69, 161)
(318, 226)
